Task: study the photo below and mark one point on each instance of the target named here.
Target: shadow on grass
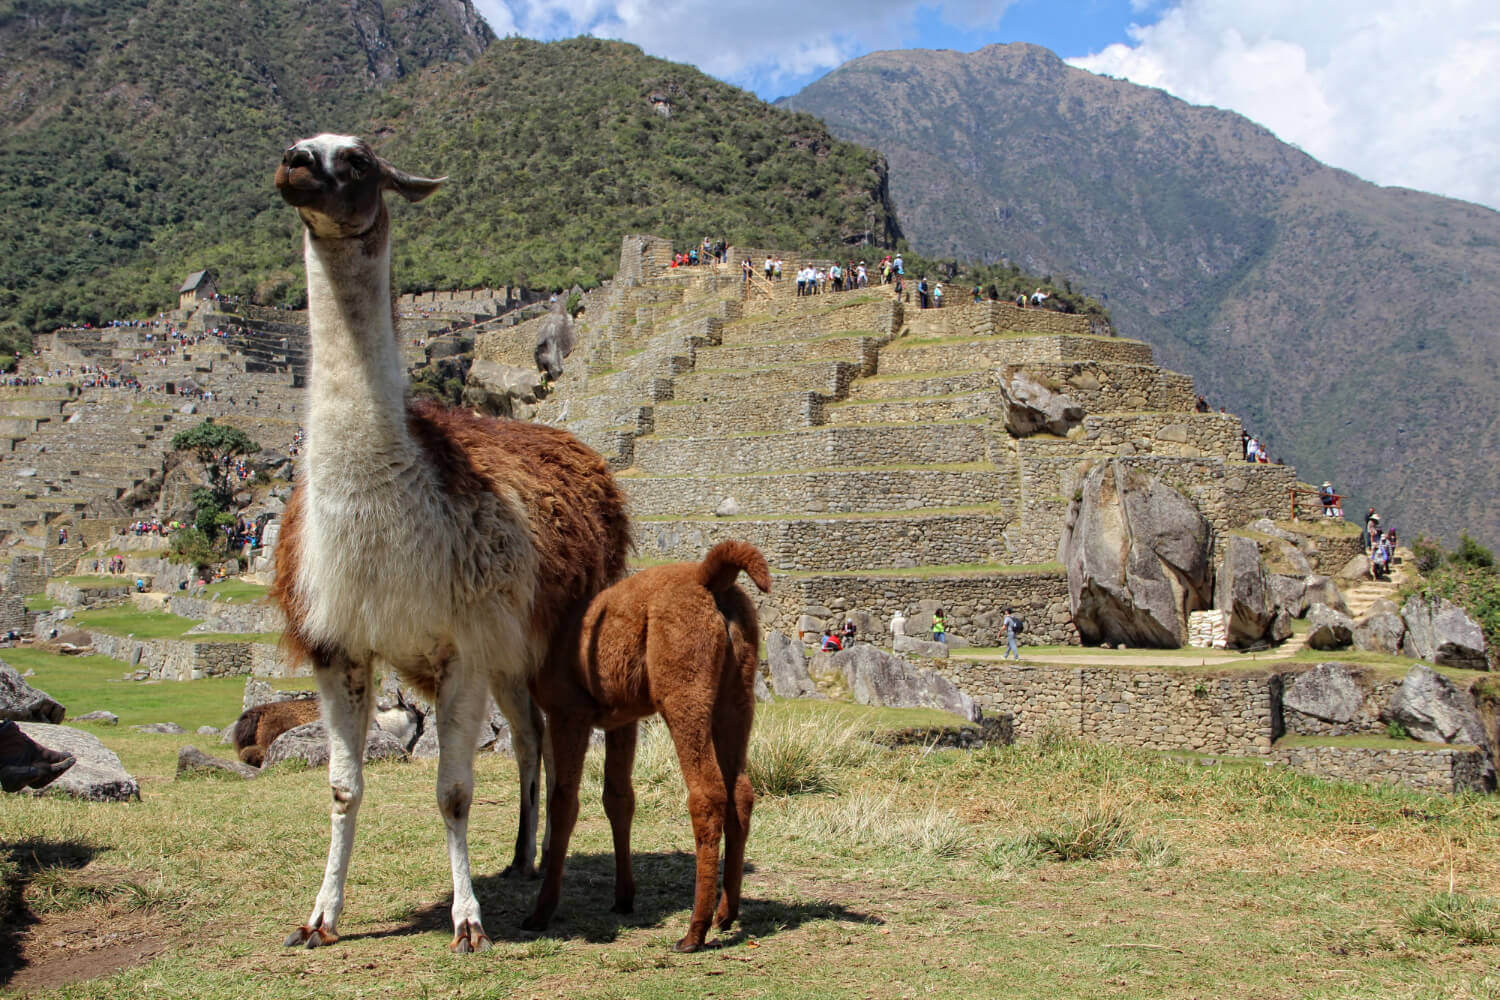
(663, 899)
(19, 864)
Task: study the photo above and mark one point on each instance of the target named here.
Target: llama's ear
(408, 186)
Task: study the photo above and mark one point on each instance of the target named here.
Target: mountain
(1352, 326)
(138, 137)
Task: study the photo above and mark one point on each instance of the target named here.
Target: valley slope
(1352, 326)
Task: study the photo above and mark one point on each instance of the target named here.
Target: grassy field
(125, 620)
(1048, 869)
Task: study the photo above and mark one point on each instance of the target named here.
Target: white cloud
(763, 44)
(1397, 91)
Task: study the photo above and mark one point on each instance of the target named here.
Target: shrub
(1469, 919)
(189, 545)
(1396, 731)
(1471, 553)
(1099, 832)
(1428, 554)
(788, 756)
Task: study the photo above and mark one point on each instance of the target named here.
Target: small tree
(214, 445)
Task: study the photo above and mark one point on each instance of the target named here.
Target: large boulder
(875, 677)
(554, 341)
(1289, 593)
(98, 776)
(920, 647)
(21, 702)
(1033, 408)
(1439, 631)
(1243, 592)
(1381, 630)
(500, 389)
(1138, 559)
(1323, 590)
(1433, 708)
(788, 662)
(309, 743)
(1327, 691)
(401, 722)
(1329, 629)
(192, 762)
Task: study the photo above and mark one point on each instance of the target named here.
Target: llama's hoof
(517, 870)
(310, 937)
(723, 921)
(469, 938)
(688, 944)
(536, 922)
(623, 906)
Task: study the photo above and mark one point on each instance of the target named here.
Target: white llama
(444, 544)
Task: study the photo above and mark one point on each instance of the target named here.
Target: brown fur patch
(257, 728)
(577, 515)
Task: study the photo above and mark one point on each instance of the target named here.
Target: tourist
(1038, 297)
(898, 624)
(1012, 626)
(848, 635)
(1330, 501)
(939, 627)
(1365, 537)
(922, 293)
(768, 267)
(830, 642)
(937, 295)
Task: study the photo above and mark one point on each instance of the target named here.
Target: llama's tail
(724, 562)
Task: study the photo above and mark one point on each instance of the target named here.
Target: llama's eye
(358, 165)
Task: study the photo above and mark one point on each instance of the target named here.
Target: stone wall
(847, 491)
(834, 544)
(183, 660)
(799, 321)
(13, 614)
(1109, 387)
(1151, 709)
(250, 617)
(1443, 769)
(76, 596)
(25, 575)
(918, 358)
(974, 606)
(812, 449)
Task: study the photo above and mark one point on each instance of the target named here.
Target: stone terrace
(861, 442)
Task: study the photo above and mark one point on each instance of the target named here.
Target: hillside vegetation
(139, 138)
(1350, 325)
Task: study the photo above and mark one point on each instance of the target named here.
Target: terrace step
(809, 491)
(815, 448)
(887, 541)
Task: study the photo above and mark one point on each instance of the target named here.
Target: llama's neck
(357, 438)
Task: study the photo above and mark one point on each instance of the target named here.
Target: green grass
(83, 684)
(908, 874)
(41, 602)
(1364, 742)
(239, 591)
(125, 620)
(98, 582)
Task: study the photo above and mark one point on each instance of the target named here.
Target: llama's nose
(297, 156)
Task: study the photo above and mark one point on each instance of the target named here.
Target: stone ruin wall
(975, 606)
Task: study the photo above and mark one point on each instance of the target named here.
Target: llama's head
(335, 182)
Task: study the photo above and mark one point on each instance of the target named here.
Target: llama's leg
(460, 709)
(346, 698)
(570, 743)
(619, 806)
(527, 737)
(689, 724)
(733, 715)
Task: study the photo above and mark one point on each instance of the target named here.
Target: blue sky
(1400, 92)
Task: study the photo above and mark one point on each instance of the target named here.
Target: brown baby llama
(682, 641)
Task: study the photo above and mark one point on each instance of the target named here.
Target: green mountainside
(1352, 326)
(138, 138)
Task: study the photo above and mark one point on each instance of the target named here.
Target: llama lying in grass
(257, 728)
(683, 641)
(446, 545)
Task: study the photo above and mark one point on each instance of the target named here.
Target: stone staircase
(861, 443)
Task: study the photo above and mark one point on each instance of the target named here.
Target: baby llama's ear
(408, 186)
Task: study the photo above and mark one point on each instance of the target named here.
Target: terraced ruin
(887, 459)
